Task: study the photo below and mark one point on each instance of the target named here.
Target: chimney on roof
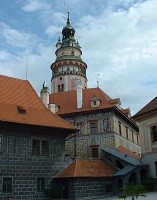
(44, 94)
(79, 95)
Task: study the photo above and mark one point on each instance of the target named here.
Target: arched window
(62, 88)
(58, 88)
(133, 178)
(119, 185)
(143, 175)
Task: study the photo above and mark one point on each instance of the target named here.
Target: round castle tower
(68, 70)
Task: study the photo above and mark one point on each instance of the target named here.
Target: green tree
(133, 191)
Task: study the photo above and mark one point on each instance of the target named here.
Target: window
(153, 131)
(21, 110)
(120, 128)
(1, 142)
(132, 136)
(40, 184)
(40, 147)
(80, 126)
(94, 151)
(107, 125)
(155, 168)
(7, 184)
(126, 129)
(94, 127)
(137, 139)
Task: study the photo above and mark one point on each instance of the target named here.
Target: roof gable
(18, 95)
(152, 105)
(88, 169)
(67, 101)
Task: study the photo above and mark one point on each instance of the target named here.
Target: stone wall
(81, 188)
(18, 163)
(81, 145)
(107, 134)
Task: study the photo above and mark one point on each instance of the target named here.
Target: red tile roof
(126, 151)
(151, 106)
(67, 101)
(88, 169)
(18, 95)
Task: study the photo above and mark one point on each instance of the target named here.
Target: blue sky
(118, 40)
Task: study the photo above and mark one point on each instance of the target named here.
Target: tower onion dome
(68, 31)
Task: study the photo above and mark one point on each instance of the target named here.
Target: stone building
(101, 120)
(102, 177)
(31, 142)
(147, 119)
(106, 149)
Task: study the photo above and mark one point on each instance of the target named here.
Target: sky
(118, 39)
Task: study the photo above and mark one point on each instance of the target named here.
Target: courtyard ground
(150, 196)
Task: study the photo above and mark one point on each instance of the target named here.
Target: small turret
(58, 44)
(44, 94)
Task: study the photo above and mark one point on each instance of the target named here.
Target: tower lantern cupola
(68, 67)
(68, 31)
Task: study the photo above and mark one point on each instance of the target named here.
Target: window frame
(107, 125)
(153, 133)
(7, 182)
(94, 150)
(40, 149)
(126, 131)
(80, 126)
(1, 142)
(93, 129)
(120, 128)
(40, 184)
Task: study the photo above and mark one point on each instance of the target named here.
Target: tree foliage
(133, 191)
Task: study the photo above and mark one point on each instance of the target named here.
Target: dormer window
(95, 102)
(21, 110)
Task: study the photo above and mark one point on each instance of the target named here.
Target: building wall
(81, 188)
(107, 134)
(148, 148)
(145, 135)
(23, 168)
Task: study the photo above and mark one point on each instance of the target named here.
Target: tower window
(62, 88)
(58, 88)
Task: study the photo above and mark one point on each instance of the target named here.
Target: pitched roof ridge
(129, 152)
(15, 78)
(142, 110)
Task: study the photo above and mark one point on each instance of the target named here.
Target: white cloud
(4, 55)
(34, 5)
(122, 46)
(53, 30)
(17, 38)
(118, 40)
